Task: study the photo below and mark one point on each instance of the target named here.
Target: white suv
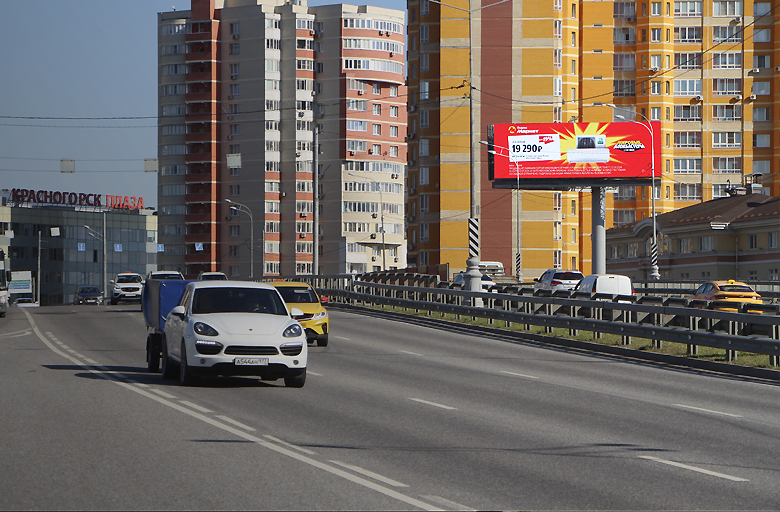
(127, 286)
(556, 279)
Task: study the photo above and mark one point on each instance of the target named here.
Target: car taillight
(555, 283)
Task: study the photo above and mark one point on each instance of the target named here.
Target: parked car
(127, 286)
(728, 291)
(459, 281)
(315, 317)
(233, 328)
(610, 284)
(165, 275)
(556, 279)
(88, 295)
(212, 276)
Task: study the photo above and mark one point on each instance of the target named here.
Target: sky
(79, 81)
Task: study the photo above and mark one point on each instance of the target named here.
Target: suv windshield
(568, 276)
(128, 279)
(237, 300)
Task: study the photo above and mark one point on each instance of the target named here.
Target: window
(727, 8)
(376, 88)
(727, 60)
(731, 112)
(393, 111)
(727, 86)
(235, 231)
(623, 217)
(376, 129)
(624, 35)
(687, 112)
(687, 191)
(687, 165)
(623, 62)
(393, 131)
(687, 139)
(687, 34)
(761, 114)
(705, 243)
(727, 165)
(376, 149)
(726, 139)
(655, 87)
(761, 8)
(424, 147)
(729, 33)
(687, 60)
(752, 241)
(761, 88)
(557, 29)
(762, 35)
(655, 35)
(687, 9)
(684, 245)
(377, 109)
(393, 151)
(624, 87)
(424, 33)
(234, 69)
(557, 201)
(761, 140)
(772, 239)
(655, 9)
(689, 87)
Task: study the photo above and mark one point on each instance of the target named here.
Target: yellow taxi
(728, 291)
(315, 317)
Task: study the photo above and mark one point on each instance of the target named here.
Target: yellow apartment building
(708, 71)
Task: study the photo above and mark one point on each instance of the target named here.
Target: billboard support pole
(599, 229)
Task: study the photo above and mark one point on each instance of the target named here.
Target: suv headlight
(293, 331)
(204, 329)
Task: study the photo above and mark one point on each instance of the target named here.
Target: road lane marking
(194, 406)
(707, 410)
(448, 503)
(342, 338)
(109, 376)
(410, 353)
(426, 402)
(16, 334)
(694, 468)
(290, 445)
(163, 393)
(520, 375)
(369, 474)
(236, 423)
(312, 373)
(91, 361)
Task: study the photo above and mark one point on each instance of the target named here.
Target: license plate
(251, 361)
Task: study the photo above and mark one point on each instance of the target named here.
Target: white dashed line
(520, 375)
(194, 406)
(236, 423)
(410, 353)
(369, 474)
(447, 503)
(694, 468)
(312, 373)
(163, 393)
(708, 410)
(426, 402)
(290, 445)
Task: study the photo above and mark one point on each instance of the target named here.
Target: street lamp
(473, 175)
(245, 209)
(381, 212)
(654, 273)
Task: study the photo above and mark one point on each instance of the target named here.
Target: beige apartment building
(281, 138)
(708, 71)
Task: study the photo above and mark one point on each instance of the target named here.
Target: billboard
(574, 150)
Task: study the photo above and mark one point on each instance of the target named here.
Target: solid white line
(194, 406)
(238, 433)
(520, 375)
(448, 503)
(312, 373)
(163, 393)
(369, 474)
(290, 445)
(433, 404)
(342, 338)
(236, 423)
(694, 468)
(707, 410)
(410, 353)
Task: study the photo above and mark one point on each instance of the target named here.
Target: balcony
(199, 257)
(199, 198)
(193, 158)
(200, 238)
(197, 218)
(200, 76)
(198, 97)
(203, 137)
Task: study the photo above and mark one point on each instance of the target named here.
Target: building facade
(281, 139)
(70, 243)
(706, 70)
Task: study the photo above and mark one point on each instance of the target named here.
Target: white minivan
(610, 284)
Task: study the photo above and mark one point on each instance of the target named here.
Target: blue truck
(158, 298)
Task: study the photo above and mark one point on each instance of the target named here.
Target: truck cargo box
(159, 297)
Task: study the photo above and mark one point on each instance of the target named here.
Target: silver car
(556, 279)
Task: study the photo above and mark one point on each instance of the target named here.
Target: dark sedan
(88, 295)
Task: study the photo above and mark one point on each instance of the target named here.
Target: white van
(610, 284)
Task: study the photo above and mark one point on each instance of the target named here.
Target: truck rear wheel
(168, 369)
(152, 354)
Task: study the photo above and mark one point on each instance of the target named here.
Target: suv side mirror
(179, 311)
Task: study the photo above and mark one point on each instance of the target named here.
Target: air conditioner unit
(351, 153)
(410, 218)
(752, 97)
(302, 215)
(230, 96)
(756, 70)
(777, 69)
(412, 135)
(381, 32)
(738, 19)
(395, 176)
(318, 34)
(653, 69)
(412, 108)
(311, 32)
(387, 33)
(301, 235)
(631, 19)
(699, 97)
(235, 36)
(370, 151)
(320, 115)
(413, 190)
(412, 162)
(300, 114)
(373, 236)
(229, 137)
(373, 258)
(392, 54)
(738, 97)
(374, 215)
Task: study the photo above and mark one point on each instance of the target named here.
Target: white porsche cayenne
(233, 328)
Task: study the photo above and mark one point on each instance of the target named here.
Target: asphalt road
(393, 416)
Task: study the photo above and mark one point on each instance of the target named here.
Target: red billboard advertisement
(575, 150)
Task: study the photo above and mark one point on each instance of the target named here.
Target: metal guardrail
(751, 328)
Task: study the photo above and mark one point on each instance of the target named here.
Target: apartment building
(265, 107)
(708, 71)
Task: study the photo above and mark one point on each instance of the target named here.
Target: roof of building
(724, 210)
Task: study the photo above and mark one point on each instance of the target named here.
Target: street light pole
(245, 209)
(654, 271)
(381, 213)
